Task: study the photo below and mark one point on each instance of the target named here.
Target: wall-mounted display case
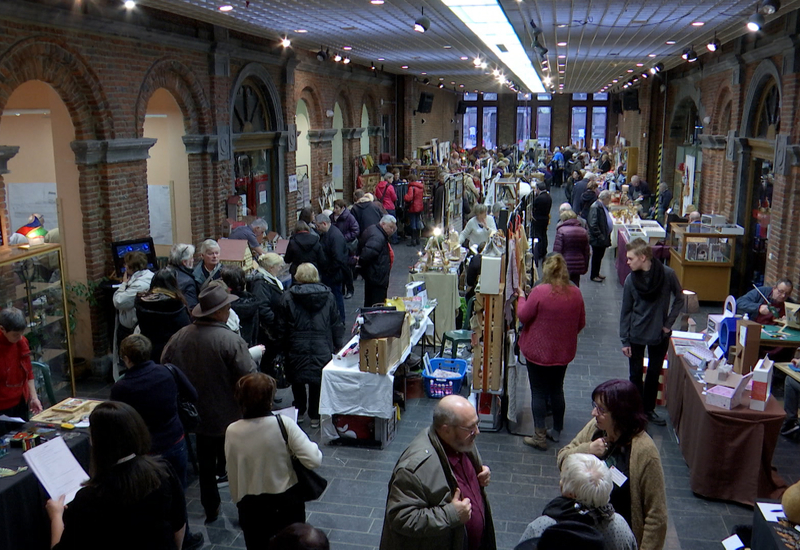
(702, 257)
(31, 281)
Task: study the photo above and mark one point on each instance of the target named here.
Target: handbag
(382, 323)
(310, 485)
(187, 410)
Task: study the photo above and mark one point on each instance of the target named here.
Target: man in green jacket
(436, 495)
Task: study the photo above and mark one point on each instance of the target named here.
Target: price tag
(618, 477)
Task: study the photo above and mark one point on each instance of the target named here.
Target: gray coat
(641, 322)
(213, 358)
(419, 509)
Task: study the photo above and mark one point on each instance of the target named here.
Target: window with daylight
(469, 96)
(578, 124)
(490, 96)
(600, 97)
(543, 119)
(524, 97)
(489, 127)
(580, 97)
(470, 128)
(599, 115)
(523, 125)
(544, 97)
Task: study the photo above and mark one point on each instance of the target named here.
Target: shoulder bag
(381, 322)
(310, 485)
(187, 411)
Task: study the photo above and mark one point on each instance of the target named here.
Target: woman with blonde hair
(572, 242)
(552, 316)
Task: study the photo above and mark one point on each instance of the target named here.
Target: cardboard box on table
(748, 340)
(762, 384)
(379, 355)
(725, 397)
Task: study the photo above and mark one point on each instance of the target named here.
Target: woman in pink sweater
(552, 315)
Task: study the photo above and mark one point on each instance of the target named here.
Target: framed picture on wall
(330, 168)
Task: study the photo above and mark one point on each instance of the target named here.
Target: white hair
(564, 207)
(388, 219)
(179, 253)
(604, 195)
(259, 222)
(587, 478)
(206, 244)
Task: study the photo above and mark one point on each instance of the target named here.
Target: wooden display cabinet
(31, 281)
(702, 258)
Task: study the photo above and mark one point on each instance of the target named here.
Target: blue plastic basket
(436, 388)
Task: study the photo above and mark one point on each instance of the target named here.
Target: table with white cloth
(347, 390)
(442, 287)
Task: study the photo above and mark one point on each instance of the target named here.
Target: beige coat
(648, 498)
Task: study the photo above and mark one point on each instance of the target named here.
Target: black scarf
(650, 292)
(563, 508)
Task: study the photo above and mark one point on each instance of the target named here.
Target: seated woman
(162, 311)
(585, 490)
(131, 501)
(479, 228)
(260, 469)
(616, 434)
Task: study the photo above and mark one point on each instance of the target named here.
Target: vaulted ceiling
(592, 41)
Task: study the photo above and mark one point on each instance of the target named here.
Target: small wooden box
(748, 340)
(379, 355)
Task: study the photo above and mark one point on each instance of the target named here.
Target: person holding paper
(17, 389)
(131, 501)
(616, 435)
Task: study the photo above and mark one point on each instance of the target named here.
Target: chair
(456, 337)
(41, 377)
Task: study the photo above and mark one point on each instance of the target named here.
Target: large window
(543, 116)
(523, 126)
(490, 127)
(470, 128)
(599, 116)
(578, 126)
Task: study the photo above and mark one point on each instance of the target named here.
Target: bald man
(436, 495)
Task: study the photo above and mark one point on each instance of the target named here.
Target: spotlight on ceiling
(321, 54)
(423, 23)
(337, 57)
(536, 30)
(441, 85)
(285, 42)
(714, 44)
(426, 80)
(477, 61)
(769, 7)
(689, 55)
(346, 60)
(130, 4)
(657, 68)
(755, 22)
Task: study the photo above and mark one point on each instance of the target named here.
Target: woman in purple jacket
(346, 222)
(572, 242)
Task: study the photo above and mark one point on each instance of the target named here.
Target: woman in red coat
(553, 315)
(572, 242)
(413, 199)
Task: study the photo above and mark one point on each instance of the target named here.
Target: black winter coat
(269, 302)
(187, 285)
(311, 331)
(599, 232)
(587, 200)
(336, 255)
(542, 204)
(304, 247)
(246, 307)
(373, 256)
(367, 213)
(160, 316)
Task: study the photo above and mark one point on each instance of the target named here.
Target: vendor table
(24, 524)
(729, 453)
(347, 390)
(660, 251)
(786, 368)
(442, 287)
(788, 338)
(769, 534)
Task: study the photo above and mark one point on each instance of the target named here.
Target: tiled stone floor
(523, 479)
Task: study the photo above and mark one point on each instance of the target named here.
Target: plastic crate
(436, 388)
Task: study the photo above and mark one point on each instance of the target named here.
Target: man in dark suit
(542, 203)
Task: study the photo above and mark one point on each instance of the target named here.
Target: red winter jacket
(414, 197)
(386, 195)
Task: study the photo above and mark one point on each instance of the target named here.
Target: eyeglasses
(601, 410)
(471, 430)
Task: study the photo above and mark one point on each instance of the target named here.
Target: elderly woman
(131, 500)
(311, 331)
(552, 316)
(135, 279)
(265, 283)
(586, 485)
(209, 266)
(479, 228)
(17, 389)
(616, 435)
(162, 310)
(260, 469)
(181, 257)
(572, 242)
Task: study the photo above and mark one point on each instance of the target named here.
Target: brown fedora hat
(213, 298)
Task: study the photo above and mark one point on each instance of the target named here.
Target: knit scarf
(650, 292)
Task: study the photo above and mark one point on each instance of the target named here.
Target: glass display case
(30, 280)
(702, 257)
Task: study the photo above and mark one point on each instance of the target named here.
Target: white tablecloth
(347, 390)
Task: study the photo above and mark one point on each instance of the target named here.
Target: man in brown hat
(213, 358)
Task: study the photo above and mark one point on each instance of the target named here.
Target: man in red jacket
(17, 390)
(413, 199)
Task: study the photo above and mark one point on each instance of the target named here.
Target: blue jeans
(178, 458)
(336, 290)
(414, 220)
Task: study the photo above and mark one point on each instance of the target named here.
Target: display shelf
(702, 257)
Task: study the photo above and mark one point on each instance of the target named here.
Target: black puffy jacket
(269, 296)
(304, 247)
(310, 330)
(336, 255)
(373, 255)
(246, 307)
(160, 316)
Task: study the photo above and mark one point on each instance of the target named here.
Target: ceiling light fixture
(337, 57)
(225, 7)
(285, 42)
(130, 4)
(423, 23)
(347, 48)
(477, 62)
(640, 64)
(322, 55)
(301, 31)
(448, 47)
(698, 24)
(755, 22)
(489, 22)
(670, 42)
(346, 60)
(381, 59)
(651, 55)
(404, 66)
(769, 7)
(376, 2)
(657, 68)
(561, 44)
(713, 45)
(689, 55)
(441, 85)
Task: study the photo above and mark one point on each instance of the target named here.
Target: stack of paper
(57, 469)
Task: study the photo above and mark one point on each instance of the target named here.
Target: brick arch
(348, 120)
(766, 71)
(310, 96)
(369, 100)
(268, 88)
(682, 108)
(50, 61)
(185, 88)
(721, 102)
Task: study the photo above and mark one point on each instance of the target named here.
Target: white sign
(292, 183)
(158, 201)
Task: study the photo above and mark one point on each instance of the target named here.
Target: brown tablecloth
(729, 453)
